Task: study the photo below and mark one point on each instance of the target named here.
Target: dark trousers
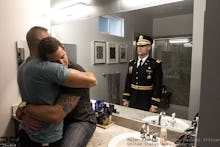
(25, 141)
(141, 99)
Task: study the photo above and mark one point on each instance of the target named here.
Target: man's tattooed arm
(68, 102)
(52, 113)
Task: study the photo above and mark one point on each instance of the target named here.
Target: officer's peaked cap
(144, 40)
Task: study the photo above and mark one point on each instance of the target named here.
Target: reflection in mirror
(177, 93)
(20, 55)
(22, 51)
(71, 52)
(176, 56)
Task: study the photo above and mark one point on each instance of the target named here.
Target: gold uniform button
(136, 82)
(136, 77)
(136, 72)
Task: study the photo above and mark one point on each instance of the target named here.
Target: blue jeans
(77, 134)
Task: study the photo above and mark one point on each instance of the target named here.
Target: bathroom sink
(133, 139)
(179, 126)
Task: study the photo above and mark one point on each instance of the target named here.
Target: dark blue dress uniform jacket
(143, 84)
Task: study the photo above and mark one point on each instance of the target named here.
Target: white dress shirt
(143, 60)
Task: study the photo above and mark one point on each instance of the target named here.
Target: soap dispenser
(163, 136)
(173, 120)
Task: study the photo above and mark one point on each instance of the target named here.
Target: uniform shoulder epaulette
(131, 60)
(158, 61)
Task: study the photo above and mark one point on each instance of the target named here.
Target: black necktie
(140, 63)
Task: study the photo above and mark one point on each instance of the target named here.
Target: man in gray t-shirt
(39, 83)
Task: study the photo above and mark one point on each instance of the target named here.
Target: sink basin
(179, 126)
(133, 139)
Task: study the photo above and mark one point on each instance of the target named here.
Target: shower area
(175, 54)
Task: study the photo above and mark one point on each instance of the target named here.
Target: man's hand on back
(31, 123)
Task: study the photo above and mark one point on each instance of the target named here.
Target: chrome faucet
(144, 131)
(160, 117)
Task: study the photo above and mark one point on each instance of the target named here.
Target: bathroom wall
(16, 18)
(197, 53)
(208, 134)
(173, 25)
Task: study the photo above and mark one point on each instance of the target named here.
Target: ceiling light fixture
(74, 11)
(178, 40)
(63, 4)
(188, 44)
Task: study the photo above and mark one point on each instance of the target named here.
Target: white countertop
(135, 114)
(102, 137)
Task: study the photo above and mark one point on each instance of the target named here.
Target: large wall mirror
(172, 20)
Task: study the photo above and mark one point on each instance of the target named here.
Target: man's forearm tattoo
(68, 102)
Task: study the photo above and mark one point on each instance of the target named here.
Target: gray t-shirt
(39, 84)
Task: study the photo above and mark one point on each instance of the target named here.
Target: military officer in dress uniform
(144, 78)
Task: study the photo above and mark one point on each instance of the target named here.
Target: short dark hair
(48, 46)
(32, 36)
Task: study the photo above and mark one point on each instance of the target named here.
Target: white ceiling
(172, 9)
(178, 8)
(114, 6)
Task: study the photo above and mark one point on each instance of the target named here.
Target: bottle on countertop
(163, 136)
(173, 120)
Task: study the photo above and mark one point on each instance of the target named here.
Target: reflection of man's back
(83, 111)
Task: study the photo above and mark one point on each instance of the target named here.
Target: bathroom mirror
(166, 21)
